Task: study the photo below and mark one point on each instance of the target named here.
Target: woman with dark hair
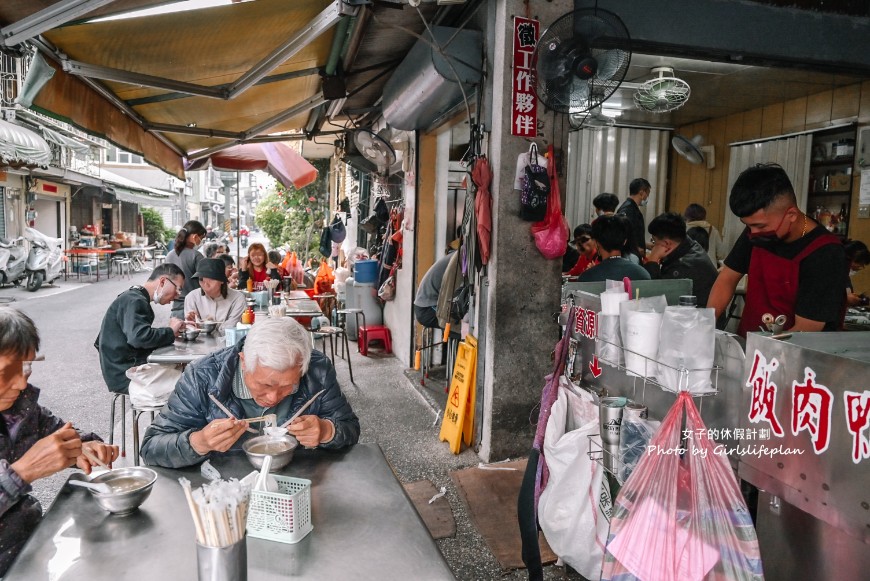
(258, 269)
(186, 257)
(230, 269)
(857, 257)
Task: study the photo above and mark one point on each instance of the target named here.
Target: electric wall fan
(375, 148)
(663, 93)
(369, 152)
(581, 59)
(694, 151)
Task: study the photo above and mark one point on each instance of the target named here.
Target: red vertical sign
(524, 102)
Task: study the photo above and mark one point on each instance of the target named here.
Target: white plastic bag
(151, 385)
(574, 509)
(639, 323)
(687, 341)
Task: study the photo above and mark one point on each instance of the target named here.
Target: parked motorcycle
(45, 260)
(13, 260)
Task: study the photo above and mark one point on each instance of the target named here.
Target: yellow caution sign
(458, 423)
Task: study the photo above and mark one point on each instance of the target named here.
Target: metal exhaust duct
(424, 86)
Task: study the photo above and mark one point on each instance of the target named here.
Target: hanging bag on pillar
(536, 188)
(551, 233)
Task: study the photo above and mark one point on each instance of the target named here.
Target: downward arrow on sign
(594, 367)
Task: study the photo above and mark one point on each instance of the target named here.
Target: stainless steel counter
(364, 528)
(187, 351)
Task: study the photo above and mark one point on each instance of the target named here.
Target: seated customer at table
(230, 270)
(214, 300)
(675, 255)
(126, 336)
(272, 371)
(613, 235)
(257, 269)
(34, 443)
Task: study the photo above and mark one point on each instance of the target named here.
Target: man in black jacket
(126, 336)
(638, 195)
(675, 255)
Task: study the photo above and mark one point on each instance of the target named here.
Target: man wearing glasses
(126, 336)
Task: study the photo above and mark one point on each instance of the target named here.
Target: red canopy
(277, 158)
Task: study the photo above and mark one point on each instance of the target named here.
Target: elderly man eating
(273, 371)
(33, 442)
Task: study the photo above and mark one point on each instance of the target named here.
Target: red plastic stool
(374, 333)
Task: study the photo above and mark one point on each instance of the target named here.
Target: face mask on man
(852, 273)
(644, 202)
(766, 238)
(158, 293)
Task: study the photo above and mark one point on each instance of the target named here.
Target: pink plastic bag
(680, 515)
(551, 233)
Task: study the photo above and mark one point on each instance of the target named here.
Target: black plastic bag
(326, 242)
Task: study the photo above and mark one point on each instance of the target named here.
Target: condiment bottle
(246, 316)
(250, 284)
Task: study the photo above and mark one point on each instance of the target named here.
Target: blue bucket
(365, 271)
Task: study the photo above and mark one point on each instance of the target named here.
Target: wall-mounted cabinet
(829, 193)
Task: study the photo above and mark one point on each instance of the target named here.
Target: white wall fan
(375, 148)
(694, 151)
(663, 93)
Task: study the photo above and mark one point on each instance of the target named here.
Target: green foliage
(154, 226)
(290, 216)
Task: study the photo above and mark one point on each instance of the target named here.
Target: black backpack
(700, 235)
(536, 189)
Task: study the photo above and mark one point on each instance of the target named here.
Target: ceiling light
(611, 112)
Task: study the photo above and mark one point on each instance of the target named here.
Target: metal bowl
(208, 327)
(130, 487)
(280, 448)
(190, 334)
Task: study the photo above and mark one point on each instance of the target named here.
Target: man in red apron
(795, 266)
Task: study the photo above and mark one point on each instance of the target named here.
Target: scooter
(13, 259)
(45, 260)
(244, 240)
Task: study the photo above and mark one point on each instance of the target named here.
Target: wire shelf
(652, 363)
(598, 454)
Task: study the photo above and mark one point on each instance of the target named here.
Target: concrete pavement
(392, 413)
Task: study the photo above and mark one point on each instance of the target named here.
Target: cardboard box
(839, 183)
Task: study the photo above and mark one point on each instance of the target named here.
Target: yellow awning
(206, 47)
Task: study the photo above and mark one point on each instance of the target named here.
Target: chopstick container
(229, 563)
(283, 516)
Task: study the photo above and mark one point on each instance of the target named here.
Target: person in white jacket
(214, 300)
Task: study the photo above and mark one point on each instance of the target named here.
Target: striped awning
(22, 147)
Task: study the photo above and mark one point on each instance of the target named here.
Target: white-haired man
(273, 371)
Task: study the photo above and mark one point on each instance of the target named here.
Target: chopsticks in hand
(229, 414)
(302, 409)
(93, 459)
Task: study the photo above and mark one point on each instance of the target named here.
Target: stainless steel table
(364, 528)
(187, 351)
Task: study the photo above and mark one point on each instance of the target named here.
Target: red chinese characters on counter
(858, 423)
(762, 407)
(811, 410)
(587, 323)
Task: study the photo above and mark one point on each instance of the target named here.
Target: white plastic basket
(283, 516)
